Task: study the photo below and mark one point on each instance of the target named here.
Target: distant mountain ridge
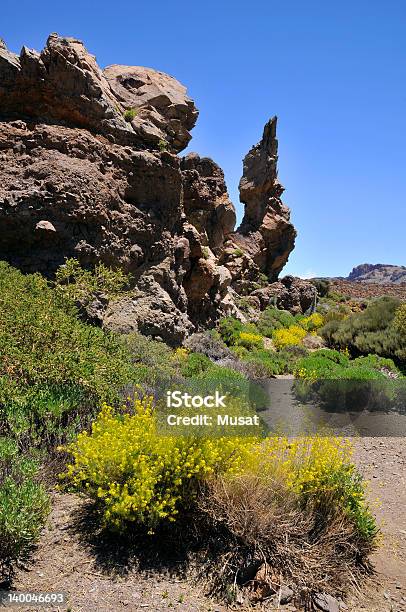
(380, 274)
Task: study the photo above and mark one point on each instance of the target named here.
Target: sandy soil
(102, 576)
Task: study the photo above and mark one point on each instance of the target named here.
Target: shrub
(139, 476)
(293, 335)
(298, 505)
(328, 364)
(250, 340)
(272, 319)
(24, 503)
(319, 470)
(154, 363)
(163, 145)
(209, 345)
(375, 362)
(400, 327)
(271, 363)
(370, 331)
(322, 286)
(312, 323)
(79, 284)
(130, 114)
(230, 330)
(194, 364)
(49, 360)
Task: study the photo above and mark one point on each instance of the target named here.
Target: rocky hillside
(379, 274)
(90, 169)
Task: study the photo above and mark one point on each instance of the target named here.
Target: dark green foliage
(24, 503)
(194, 364)
(322, 286)
(130, 114)
(370, 331)
(272, 319)
(230, 330)
(330, 364)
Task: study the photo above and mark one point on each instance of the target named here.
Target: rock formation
(266, 233)
(378, 273)
(90, 169)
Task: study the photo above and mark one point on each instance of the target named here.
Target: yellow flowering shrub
(138, 475)
(250, 340)
(319, 470)
(313, 322)
(292, 335)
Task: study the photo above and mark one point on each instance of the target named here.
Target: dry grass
(264, 539)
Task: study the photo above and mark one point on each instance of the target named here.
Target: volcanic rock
(266, 234)
(89, 169)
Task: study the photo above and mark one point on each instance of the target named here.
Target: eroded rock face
(266, 234)
(79, 180)
(163, 113)
(64, 83)
(289, 293)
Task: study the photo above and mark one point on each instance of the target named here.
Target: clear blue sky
(333, 72)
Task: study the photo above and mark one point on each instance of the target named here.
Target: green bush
(78, 284)
(329, 364)
(195, 364)
(230, 330)
(272, 362)
(272, 319)
(371, 331)
(24, 504)
(50, 362)
(130, 114)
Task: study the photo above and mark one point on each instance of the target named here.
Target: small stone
(45, 226)
(285, 595)
(326, 602)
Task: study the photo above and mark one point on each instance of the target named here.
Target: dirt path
(382, 461)
(101, 576)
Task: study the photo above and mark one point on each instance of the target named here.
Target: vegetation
(139, 476)
(130, 114)
(56, 371)
(374, 330)
(53, 367)
(78, 284)
(23, 502)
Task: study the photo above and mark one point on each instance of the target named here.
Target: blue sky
(333, 72)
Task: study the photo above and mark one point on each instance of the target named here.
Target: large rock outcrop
(89, 169)
(266, 233)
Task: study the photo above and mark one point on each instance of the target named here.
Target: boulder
(289, 293)
(161, 112)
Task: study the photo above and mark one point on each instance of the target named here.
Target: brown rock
(164, 113)
(81, 178)
(289, 293)
(266, 233)
(205, 199)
